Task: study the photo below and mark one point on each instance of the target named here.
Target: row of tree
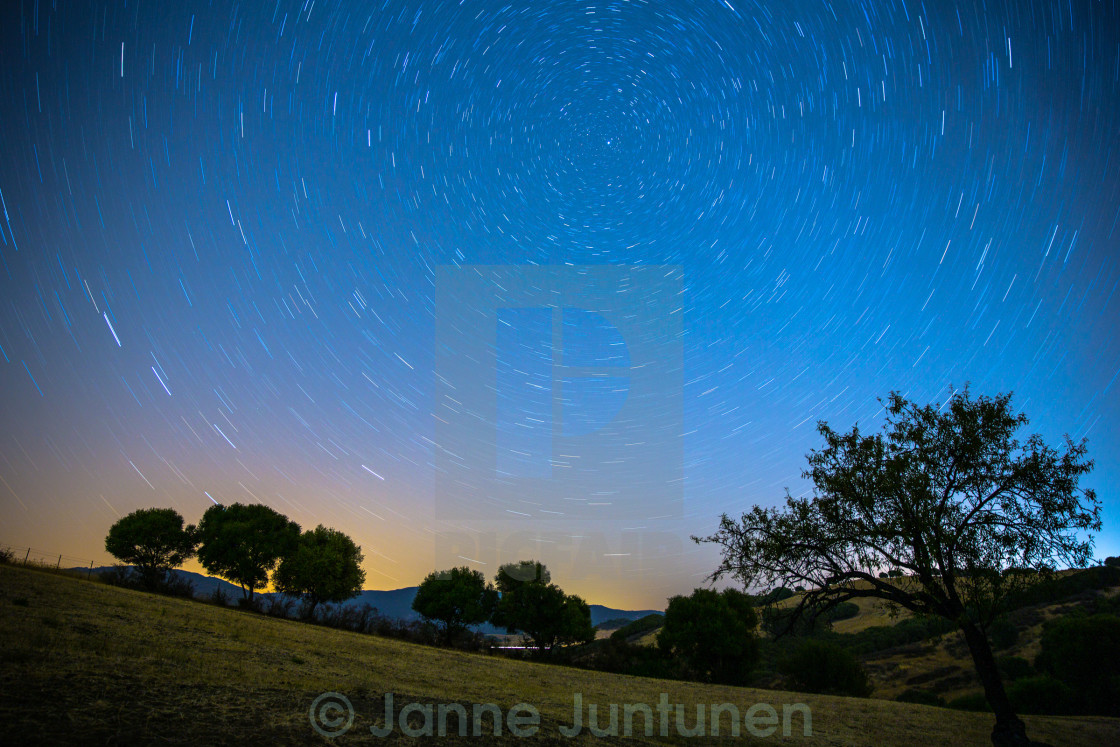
(522, 599)
(244, 544)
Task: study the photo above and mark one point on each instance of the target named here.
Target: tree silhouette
(529, 604)
(456, 598)
(945, 494)
(713, 634)
(152, 539)
(242, 543)
(325, 566)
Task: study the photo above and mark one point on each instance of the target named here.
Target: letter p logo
(558, 392)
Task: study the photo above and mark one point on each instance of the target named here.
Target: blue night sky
(225, 226)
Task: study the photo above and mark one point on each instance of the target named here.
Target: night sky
(229, 232)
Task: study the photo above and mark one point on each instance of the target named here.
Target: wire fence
(23, 555)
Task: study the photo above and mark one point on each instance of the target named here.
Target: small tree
(242, 543)
(713, 634)
(456, 599)
(820, 667)
(325, 566)
(946, 494)
(153, 540)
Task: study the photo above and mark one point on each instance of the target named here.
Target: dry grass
(88, 663)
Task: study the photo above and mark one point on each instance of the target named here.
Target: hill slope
(396, 603)
(86, 662)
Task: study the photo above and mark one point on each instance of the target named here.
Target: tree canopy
(948, 495)
(324, 566)
(529, 604)
(713, 634)
(456, 599)
(153, 540)
(243, 543)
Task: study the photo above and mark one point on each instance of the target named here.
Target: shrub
(177, 586)
(820, 667)
(6, 555)
(921, 697)
(842, 611)
(119, 575)
(1014, 668)
(1002, 633)
(970, 702)
(639, 626)
(1041, 694)
(219, 597)
(1084, 653)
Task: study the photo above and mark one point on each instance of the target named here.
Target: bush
(1041, 694)
(219, 597)
(921, 697)
(1084, 653)
(1055, 590)
(120, 575)
(177, 586)
(820, 667)
(639, 626)
(842, 611)
(1112, 562)
(970, 702)
(7, 556)
(1014, 668)
(1002, 633)
(882, 637)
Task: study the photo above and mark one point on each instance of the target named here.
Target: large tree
(713, 634)
(242, 543)
(945, 493)
(456, 599)
(325, 566)
(154, 540)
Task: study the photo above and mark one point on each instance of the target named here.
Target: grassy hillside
(90, 663)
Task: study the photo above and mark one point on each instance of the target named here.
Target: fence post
(26, 556)
(90, 571)
(59, 563)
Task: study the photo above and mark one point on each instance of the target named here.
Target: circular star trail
(222, 228)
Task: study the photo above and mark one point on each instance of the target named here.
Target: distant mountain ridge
(396, 603)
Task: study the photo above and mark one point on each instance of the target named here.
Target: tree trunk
(1009, 731)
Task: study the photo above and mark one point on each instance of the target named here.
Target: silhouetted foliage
(1112, 561)
(324, 566)
(455, 599)
(713, 634)
(152, 539)
(1014, 667)
(1002, 633)
(821, 667)
(243, 543)
(946, 494)
(512, 575)
(637, 627)
(921, 697)
(1041, 694)
(1084, 653)
(541, 611)
(1049, 590)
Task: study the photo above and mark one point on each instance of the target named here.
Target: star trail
(223, 225)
